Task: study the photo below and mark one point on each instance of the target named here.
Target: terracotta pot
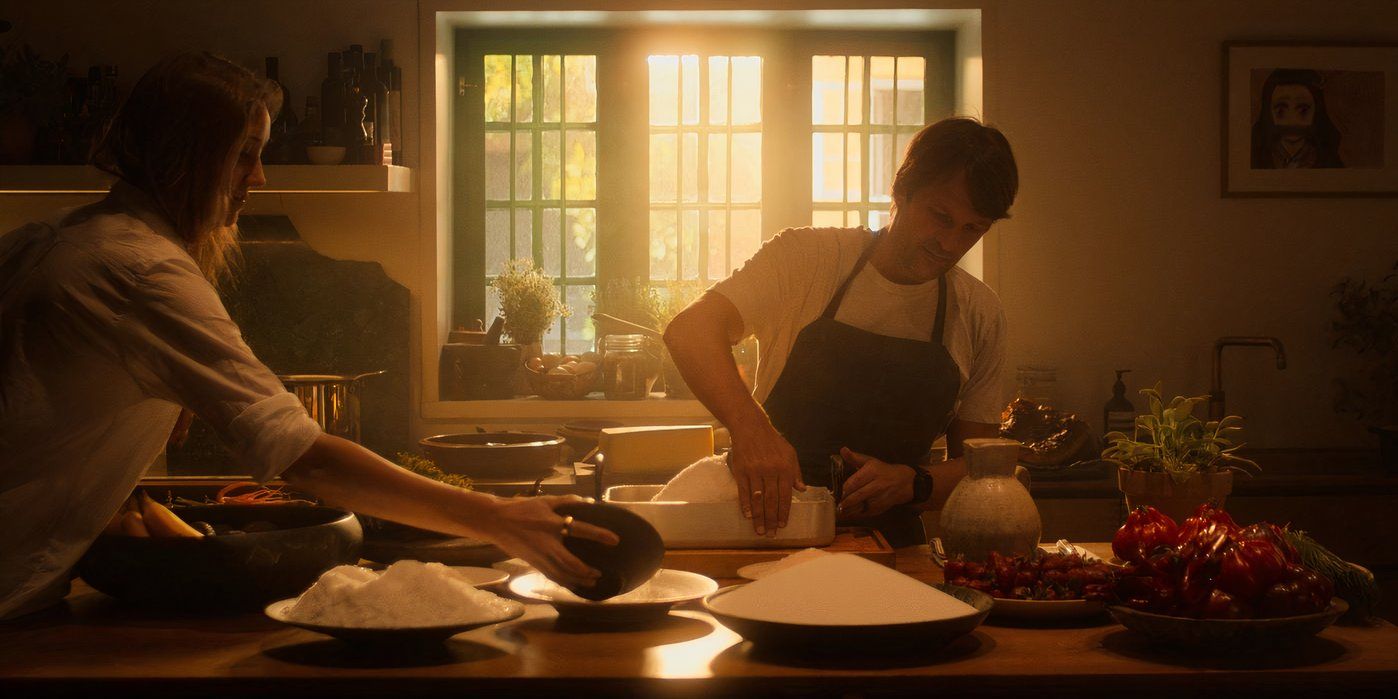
(1178, 500)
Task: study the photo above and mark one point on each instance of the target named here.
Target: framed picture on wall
(1310, 119)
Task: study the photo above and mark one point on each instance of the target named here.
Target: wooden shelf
(285, 179)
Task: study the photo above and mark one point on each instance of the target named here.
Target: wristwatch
(922, 486)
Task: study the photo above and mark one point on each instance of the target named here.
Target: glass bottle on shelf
(629, 368)
(332, 101)
(283, 130)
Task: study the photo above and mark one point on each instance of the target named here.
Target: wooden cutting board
(724, 563)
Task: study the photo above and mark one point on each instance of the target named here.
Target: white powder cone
(841, 589)
(407, 594)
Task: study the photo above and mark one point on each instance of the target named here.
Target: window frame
(623, 201)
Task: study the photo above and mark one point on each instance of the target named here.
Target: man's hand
(875, 487)
(766, 469)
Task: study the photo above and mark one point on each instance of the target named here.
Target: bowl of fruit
(563, 376)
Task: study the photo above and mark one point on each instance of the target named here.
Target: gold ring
(567, 526)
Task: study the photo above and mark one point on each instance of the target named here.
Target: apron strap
(834, 305)
(940, 324)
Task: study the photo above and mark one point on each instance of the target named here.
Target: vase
(990, 510)
(529, 349)
(1178, 500)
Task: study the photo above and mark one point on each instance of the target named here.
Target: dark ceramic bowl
(232, 571)
(496, 456)
(857, 640)
(627, 565)
(1228, 636)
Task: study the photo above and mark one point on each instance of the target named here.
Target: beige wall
(1121, 252)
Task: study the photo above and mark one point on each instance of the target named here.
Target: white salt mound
(793, 560)
(709, 480)
(407, 594)
(841, 589)
(706, 480)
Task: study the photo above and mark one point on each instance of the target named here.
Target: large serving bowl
(925, 636)
(1227, 635)
(245, 570)
(507, 456)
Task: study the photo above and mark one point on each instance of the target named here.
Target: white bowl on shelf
(325, 155)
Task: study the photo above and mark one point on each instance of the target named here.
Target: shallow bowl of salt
(649, 602)
(854, 639)
(378, 635)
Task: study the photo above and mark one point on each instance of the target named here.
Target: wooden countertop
(98, 644)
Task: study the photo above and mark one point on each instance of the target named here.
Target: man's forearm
(347, 475)
(705, 360)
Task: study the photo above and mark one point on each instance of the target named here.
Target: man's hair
(1324, 134)
(962, 144)
(177, 138)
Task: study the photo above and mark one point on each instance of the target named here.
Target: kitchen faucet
(1216, 391)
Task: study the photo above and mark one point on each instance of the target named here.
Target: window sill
(657, 406)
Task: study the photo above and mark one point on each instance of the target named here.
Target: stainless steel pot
(331, 400)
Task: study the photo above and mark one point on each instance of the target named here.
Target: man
(871, 346)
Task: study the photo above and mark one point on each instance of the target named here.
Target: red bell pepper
(1221, 605)
(1266, 531)
(1201, 569)
(1207, 516)
(1146, 528)
(1250, 567)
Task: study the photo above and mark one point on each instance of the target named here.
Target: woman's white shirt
(107, 328)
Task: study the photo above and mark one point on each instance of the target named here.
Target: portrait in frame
(1310, 119)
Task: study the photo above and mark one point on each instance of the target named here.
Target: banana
(161, 522)
(131, 525)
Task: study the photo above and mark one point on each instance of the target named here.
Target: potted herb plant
(1174, 461)
(529, 303)
(1368, 326)
(32, 93)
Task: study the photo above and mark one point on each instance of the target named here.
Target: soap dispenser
(1119, 415)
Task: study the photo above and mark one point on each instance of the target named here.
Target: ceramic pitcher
(990, 510)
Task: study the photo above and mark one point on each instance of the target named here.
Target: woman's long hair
(1323, 133)
(177, 138)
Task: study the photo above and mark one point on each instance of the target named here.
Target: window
(669, 157)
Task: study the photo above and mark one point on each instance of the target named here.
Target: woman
(109, 323)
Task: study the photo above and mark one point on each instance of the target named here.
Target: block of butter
(652, 454)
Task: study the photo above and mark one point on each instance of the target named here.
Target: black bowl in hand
(279, 551)
(627, 565)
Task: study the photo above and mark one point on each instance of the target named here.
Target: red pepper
(1146, 528)
(1207, 516)
(1249, 567)
(1266, 531)
(1201, 570)
(1146, 594)
(1221, 605)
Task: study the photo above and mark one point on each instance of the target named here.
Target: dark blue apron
(887, 397)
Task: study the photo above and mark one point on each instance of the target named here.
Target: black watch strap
(922, 486)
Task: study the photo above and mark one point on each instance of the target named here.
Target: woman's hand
(766, 469)
(530, 529)
(875, 487)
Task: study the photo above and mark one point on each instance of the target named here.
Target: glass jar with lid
(630, 367)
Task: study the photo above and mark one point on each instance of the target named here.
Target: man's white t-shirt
(789, 281)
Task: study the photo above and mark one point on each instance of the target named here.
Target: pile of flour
(709, 480)
(841, 589)
(407, 594)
